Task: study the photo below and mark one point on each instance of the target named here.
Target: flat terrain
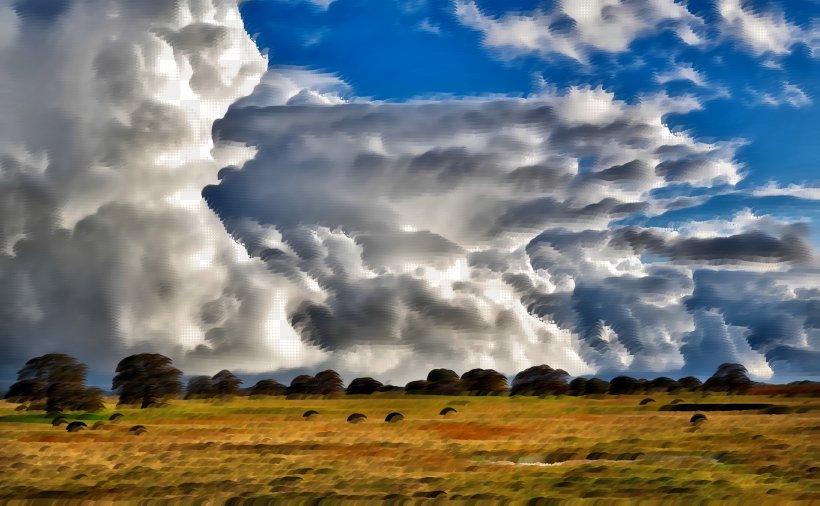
(494, 449)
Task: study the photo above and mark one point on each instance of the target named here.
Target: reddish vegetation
(812, 389)
(473, 431)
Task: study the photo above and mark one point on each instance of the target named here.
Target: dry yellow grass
(494, 450)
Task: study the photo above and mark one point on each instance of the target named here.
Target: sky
(383, 187)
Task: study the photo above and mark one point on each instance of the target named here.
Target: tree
(226, 383)
(690, 383)
(578, 386)
(443, 382)
(91, 399)
(268, 387)
(540, 380)
(664, 384)
(58, 378)
(624, 385)
(146, 379)
(596, 386)
(731, 378)
(364, 386)
(200, 387)
(442, 376)
(327, 382)
(484, 382)
(302, 384)
(417, 387)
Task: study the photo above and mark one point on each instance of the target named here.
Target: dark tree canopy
(732, 378)
(302, 384)
(484, 382)
(625, 385)
(58, 378)
(596, 386)
(417, 387)
(226, 383)
(443, 382)
(540, 380)
(324, 383)
(39, 372)
(146, 379)
(442, 376)
(200, 387)
(268, 387)
(327, 382)
(591, 386)
(664, 384)
(690, 383)
(578, 386)
(364, 386)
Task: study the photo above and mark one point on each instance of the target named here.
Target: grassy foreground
(493, 450)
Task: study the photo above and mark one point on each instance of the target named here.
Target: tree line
(56, 383)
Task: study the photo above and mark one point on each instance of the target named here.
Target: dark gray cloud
(747, 247)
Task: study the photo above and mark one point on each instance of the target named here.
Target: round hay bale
(647, 401)
(697, 418)
(356, 418)
(97, 426)
(394, 417)
(21, 407)
(446, 411)
(310, 414)
(676, 401)
(60, 420)
(116, 417)
(138, 429)
(75, 426)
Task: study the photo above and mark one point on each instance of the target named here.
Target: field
(493, 450)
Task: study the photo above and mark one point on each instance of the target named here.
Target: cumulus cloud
(574, 28)
(789, 93)
(483, 228)
(311, 228)
(106, 247)
(760, 32)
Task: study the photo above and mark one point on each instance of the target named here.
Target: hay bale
(446, 411)
(647, 401)
(116, 417)
(310, 414)
(97, 426)
(59, 420)
(394, 417)
(75, 426)
(697, 418)
(356, 418)
(137, 430)
(676, 401)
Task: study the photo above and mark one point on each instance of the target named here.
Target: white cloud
(576, 27)
(681, 73)
(760, 32)
(789, 93)
(105, 145)
(471, 232)
(793, 190)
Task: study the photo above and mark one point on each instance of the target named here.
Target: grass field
(493, 450)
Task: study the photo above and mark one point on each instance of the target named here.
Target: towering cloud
(106, 247)
(485, 231)
(161, 191)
